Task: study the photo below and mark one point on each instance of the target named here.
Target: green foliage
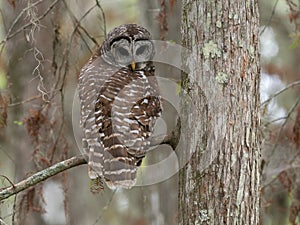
(96, 185)
(178, 88)
(19, 123)
(3, 81)
(296, 39)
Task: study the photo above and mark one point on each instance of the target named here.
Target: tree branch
(171, 139)
(281, 91)
(41, 176)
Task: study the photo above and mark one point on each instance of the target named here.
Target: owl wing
(126, 109)
(144, 104)
(112, 117)
(145, 112)
(91, 79)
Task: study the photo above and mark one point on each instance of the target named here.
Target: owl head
(128, 45)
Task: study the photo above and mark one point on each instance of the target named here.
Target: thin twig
(77, 25)
(7, 36)
(275, 120)
(14, 23)
(269, 21)
(288, 165)
(105, 208)
(281, 91)
(103, 16)
(41, 176)
(61, 79)
(24, 101)
(283, 125)
(10, 35)
(9, 181)
(84, 30)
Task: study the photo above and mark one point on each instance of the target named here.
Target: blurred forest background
(44, 44)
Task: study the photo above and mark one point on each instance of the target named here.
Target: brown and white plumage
(120, 103)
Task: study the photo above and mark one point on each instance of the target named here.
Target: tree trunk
(220, 182)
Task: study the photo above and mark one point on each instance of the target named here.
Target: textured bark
(41, 176)
(220, 183)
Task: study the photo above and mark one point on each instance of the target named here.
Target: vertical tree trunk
(220, 183)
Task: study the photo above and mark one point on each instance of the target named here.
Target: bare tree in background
(39, 51)
(280, 88)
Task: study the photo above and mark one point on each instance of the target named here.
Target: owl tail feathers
(126, 179)
(120, 175)
(127, 184)
(92, 173)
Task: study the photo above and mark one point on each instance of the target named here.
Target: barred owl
(120, 103)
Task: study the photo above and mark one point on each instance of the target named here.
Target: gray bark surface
(220, 182)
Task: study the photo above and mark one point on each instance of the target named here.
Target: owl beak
(133, 65)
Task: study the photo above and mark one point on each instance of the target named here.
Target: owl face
(128, 46)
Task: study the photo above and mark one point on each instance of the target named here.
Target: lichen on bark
(221, 122)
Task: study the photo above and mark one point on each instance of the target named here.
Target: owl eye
(141, 50)
(123, 51)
